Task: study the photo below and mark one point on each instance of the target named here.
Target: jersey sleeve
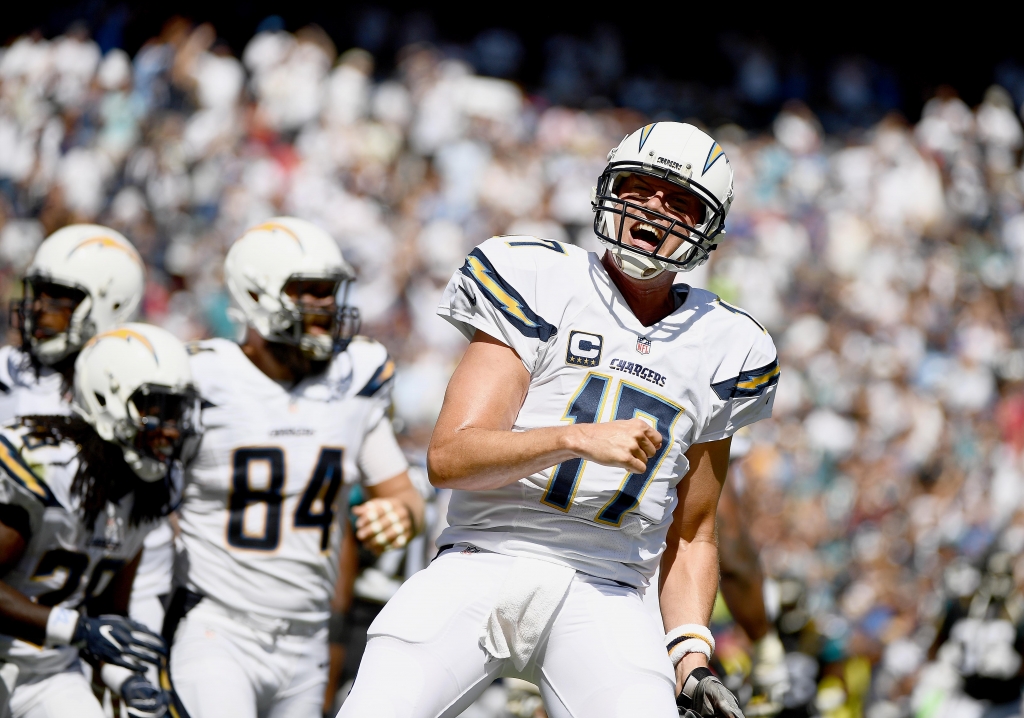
(499, 293)
(380, 457)
(374, 374)
(19, 484)
(743, 385)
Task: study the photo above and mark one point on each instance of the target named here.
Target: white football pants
(603, 656)
(223, 667)
(57, 696)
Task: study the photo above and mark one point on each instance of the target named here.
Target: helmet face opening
(164, 422)
(697, 242)
(45, 310)
(316, 316)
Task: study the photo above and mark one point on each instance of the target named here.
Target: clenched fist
(627, 443)
(383, 524)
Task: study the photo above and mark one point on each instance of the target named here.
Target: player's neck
(284, 363)
(650, 300)
(257, 351)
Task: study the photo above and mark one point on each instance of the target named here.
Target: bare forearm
(689, 582)
(413, 502)
(742, 583)
(477, 459)
(20, 617)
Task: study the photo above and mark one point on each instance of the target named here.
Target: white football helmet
(96, 270)
(133, 385)
(685, 156)
(265, 259)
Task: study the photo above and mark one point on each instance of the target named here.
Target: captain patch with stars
(584, 349)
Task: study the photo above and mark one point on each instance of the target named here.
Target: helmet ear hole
(100, 398)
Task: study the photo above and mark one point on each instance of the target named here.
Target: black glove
(142, 699)
(704, 695)
(119, 641)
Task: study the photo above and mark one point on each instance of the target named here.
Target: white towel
(531, 592)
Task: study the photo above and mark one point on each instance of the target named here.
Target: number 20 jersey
(65, 562)
(698, 375)
(258, 517)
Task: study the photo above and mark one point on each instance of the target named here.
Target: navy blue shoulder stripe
(749, 383)
(504, 296)
(19, 471)
(736, 310)
(385, 372)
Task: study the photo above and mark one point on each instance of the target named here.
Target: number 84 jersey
(261, 497)
(698, 375)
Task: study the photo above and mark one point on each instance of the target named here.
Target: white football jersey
(698, 375)
(22, 392)
(258, 516)
(66, 563)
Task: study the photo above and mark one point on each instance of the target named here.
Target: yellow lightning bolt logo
(644, 134)
(483, 276)
(386, 371)
(275, 226)
(108, 243)
(10, 461)
(713, 154)
(759, 380)
(128, 335)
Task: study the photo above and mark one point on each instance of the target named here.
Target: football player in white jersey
(586, 432)
(78, 494)
(85, 279)
(291, 415)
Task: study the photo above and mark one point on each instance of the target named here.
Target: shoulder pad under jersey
(372, 369)
(18, 466)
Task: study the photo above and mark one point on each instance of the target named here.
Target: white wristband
(115, 676)
(688, 646)
(689, 630)
(60, 626)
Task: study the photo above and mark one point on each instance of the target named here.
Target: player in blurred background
(542, 578)
(85, 279)
(77, 495)
(742, 587)
(298, 410)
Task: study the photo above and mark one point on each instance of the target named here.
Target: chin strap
(147, 469)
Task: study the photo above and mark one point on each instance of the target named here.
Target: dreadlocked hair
(102, 475)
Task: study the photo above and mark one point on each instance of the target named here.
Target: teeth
(644, 226)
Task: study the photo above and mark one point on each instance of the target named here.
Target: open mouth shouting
(646, 236)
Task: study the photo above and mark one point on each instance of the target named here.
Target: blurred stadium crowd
(888, 263)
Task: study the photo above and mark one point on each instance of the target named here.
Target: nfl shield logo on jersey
(643, 345)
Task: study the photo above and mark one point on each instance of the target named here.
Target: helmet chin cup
(317, 347)
(146, 468)
(61, 345)
(52, 350)
(635, 265)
